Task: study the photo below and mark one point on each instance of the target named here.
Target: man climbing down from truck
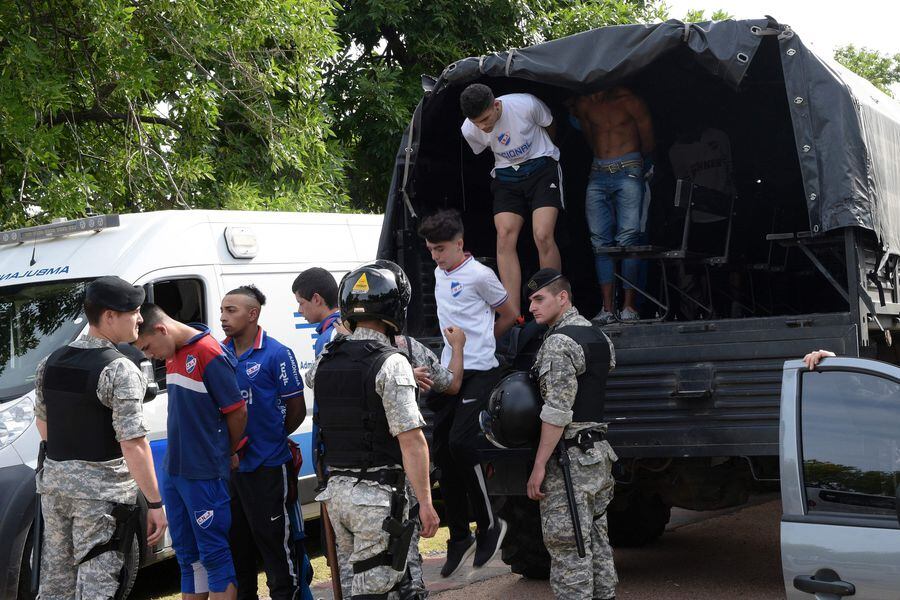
(527, 180)
(205, 433)
(468, 295)
(617, 126)
(571, 368)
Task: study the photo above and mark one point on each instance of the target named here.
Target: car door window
(850, 431)
(183, 299)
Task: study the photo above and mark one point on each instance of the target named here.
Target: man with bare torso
(616, 124)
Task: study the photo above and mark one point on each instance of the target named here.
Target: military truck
(803, 254)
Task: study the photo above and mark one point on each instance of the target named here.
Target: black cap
(114, 293)
(542, 279)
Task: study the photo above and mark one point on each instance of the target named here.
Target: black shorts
(543, 188)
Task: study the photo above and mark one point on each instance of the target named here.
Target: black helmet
(378, 290)
(513, 415)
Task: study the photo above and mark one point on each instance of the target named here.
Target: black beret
(542, 279)
(114, 293)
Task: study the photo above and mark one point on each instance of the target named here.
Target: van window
(850, 442)
(182, 299)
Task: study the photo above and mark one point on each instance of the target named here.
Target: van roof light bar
(61, 229)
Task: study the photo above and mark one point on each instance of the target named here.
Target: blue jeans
(613, 206)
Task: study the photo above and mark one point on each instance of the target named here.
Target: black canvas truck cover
(846, 132)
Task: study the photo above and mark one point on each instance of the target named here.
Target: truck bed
(710, 388)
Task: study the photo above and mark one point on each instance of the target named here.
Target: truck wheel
(643, 520)
(24, 591)
(130, 569)
(523, 547)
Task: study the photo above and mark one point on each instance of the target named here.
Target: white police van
(186, 260)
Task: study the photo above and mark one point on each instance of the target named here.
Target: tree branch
(101, 116)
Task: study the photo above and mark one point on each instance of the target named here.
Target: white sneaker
(604, 317)
(626, 314)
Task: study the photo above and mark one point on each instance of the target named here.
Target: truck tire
(643, 520)
(523, 547)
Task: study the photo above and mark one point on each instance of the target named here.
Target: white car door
(840, 462)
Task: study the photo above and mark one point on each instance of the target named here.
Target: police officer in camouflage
(371, 430)
(571, 368)
(89, 410)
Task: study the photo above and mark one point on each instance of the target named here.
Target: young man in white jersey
(526, 177)
(468, 295)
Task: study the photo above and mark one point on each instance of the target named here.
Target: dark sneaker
(457, 553)
(487, 544)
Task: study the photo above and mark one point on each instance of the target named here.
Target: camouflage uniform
(77, 497)
(559, 361)
(357, 508)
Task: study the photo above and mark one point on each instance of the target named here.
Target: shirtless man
(618, 128)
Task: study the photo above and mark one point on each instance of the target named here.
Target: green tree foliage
(374, 85)
(699, 16)
(113, 105)
(883, 70)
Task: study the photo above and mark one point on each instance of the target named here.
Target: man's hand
(812, 359)
(156, 525)
(235, 462)
(534, 482)
(430, 520)
(455, 336)
(423, 378)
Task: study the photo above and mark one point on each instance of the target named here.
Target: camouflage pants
(356, 511)
(72, 527)
(593, 576)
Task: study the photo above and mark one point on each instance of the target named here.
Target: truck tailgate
(710, 388)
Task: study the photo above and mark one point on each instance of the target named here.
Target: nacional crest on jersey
(504, 138)
(252, 369)
(190, 363)
(456, 288)
(204, 518)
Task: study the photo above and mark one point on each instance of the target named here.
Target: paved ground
(702, 556)
(724, 554)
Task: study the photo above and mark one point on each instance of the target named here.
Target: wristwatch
(154, 505)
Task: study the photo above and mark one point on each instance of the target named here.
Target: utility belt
(395, 478)
(521, 171)
(399, 531)
(584, 440)
(128, 521)
(617, 166)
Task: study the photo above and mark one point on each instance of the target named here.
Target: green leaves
(882, 70)
(114, 105)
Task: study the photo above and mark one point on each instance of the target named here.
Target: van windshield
(35, 320)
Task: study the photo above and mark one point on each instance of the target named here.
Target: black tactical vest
(591, 396)
(351, 418)
(79, 426)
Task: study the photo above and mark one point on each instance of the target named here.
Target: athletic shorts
(543, 188)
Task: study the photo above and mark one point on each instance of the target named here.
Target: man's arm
(236, 419)
(140, 464)
(415, 462)
(295, 413)
(550, 435)
(506, 318)
(641, 115)
(457, 340)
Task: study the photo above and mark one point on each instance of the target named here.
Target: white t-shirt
(466, 298)
(519, 133)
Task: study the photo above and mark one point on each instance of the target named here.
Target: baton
(327, 529)
(565, 465)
